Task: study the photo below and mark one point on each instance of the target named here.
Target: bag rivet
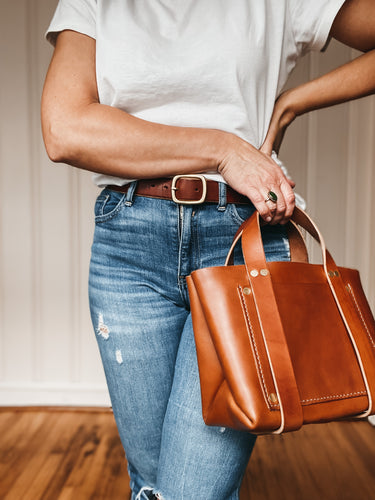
(336, 273)
(264, 272)
(246, 291)
(272, 398)
(254, 273)
(331, 274)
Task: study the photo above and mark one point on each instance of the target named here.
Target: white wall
(48, 352)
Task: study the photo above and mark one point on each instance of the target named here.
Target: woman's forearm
(107, 140)
(353, 80)
(350, 81)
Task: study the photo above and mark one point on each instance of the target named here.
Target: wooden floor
(57, 454)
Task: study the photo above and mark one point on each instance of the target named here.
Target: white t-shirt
(197, 63)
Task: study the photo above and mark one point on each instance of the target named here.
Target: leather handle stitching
(250, 332)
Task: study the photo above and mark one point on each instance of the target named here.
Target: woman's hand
(254, 174)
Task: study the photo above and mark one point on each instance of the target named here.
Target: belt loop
(222, 205)
(130, 194)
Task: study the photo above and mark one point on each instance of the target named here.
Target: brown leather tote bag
(282, 344)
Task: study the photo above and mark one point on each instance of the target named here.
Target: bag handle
(271, 326)
(297, 243)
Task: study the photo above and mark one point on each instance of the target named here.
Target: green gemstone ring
(271, 196)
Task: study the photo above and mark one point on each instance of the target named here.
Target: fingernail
(268, 219)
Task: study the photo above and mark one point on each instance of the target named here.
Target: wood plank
(81, 439)
(41, 465)
(331, 461)
(105, 467)
(81, 452)
(26, 456)
(39, 483)
(15, 440)
(50, 454)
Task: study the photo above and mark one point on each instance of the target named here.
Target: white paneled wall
(48, 352)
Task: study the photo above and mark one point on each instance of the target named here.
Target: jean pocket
(108, 204)
(240, 213)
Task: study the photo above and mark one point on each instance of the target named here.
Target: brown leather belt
(183, 189)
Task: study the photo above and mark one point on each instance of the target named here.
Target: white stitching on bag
(335, 396)
(252, 340)
(351, 292)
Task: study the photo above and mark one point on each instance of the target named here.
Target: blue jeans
(143, 250)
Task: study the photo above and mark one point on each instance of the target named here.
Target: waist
(184, 189)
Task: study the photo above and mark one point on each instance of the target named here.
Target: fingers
(267, 210)
(284, 206)
(275, 212)
(279, 207)
(290, 202)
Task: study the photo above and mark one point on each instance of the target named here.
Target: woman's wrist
(224, 144)
(286, 107)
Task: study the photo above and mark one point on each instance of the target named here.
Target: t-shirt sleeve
(312, 21)
(76, 15)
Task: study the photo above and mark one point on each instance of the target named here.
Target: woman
(144, 92)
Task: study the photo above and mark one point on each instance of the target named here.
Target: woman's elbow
(56, 139)
(52, 145)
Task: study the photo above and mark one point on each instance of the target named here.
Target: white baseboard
(41, 394)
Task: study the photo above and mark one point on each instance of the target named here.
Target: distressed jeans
(143, 250)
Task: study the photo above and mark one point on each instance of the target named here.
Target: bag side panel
(363, 329)
(217, 290)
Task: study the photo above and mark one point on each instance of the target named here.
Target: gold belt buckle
(190, 176)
